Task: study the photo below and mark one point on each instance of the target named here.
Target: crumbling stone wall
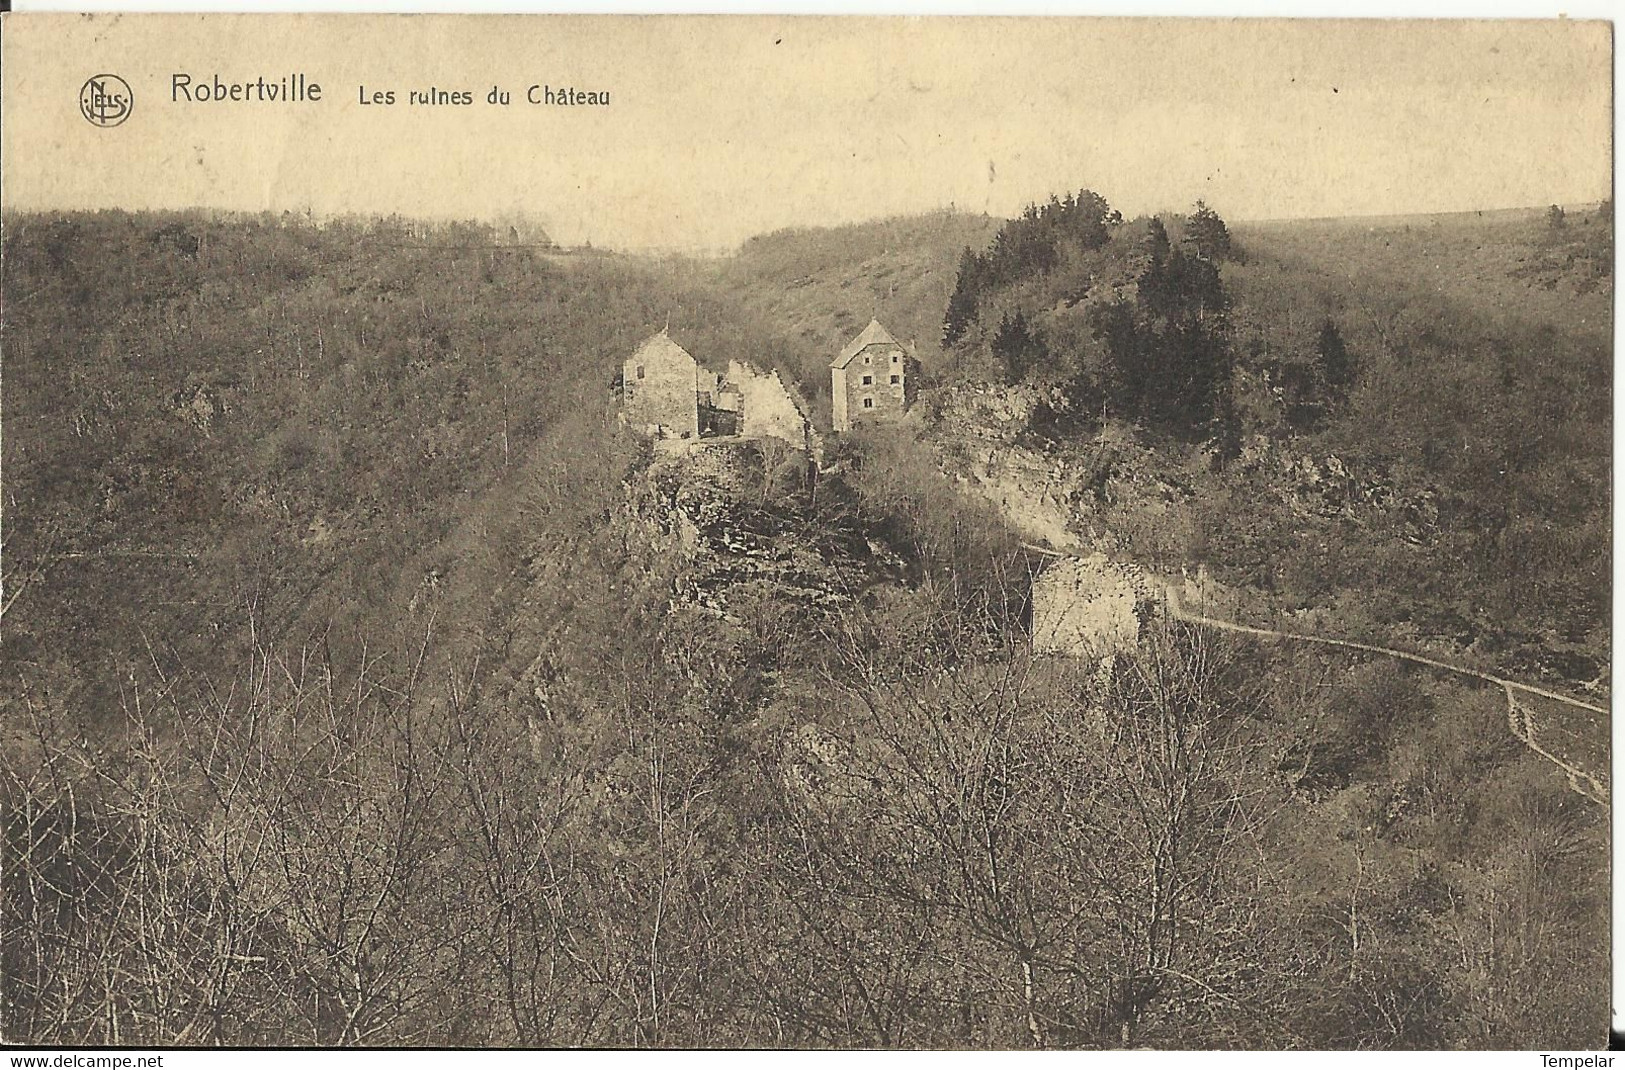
(1090, 606)
(767, 409)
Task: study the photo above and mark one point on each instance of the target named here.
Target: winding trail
(1520, 716)
(1592, 786)
(1180, 613)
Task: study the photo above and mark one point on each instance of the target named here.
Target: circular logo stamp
(106, 100)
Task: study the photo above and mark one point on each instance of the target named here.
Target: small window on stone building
(640, 371)
(868, 380)
(866, 359)
(896, 379)
(894, 358)
(868, 403)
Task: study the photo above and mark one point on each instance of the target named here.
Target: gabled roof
(660, 347)
(874, 334)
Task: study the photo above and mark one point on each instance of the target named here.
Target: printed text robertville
(287, 89)
(300, 88)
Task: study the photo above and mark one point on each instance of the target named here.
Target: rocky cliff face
(752, 521)
(1108, 492)
(1065, 495)
(1326, 486)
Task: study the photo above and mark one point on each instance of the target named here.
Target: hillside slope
(467, 719)
(822, 285)
(218, 422)
(1403, 424)
(1487, 261)
(1483, 349)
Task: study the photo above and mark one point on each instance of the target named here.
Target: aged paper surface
(767, 531)
(786, 120)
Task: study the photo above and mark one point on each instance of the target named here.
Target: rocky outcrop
(740, 517)
(1328, 487)
(989, 412)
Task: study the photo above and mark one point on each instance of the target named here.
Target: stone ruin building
(659, 390)
(667, 394)
(757, 404)
(1091, 606)
(869, 379)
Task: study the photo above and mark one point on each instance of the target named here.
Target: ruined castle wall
(663, 400)
(768, 410)
(1089, 606)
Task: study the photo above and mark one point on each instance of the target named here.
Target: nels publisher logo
(106, 100)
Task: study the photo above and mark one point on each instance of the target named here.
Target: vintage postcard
(795, 532)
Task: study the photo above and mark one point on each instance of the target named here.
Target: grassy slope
(823, 285)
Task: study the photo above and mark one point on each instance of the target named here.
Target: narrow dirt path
(1521, 719)
(1520, 716)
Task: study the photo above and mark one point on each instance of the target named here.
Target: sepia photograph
(805, 533)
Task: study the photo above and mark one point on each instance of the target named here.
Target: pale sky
(720, 128)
